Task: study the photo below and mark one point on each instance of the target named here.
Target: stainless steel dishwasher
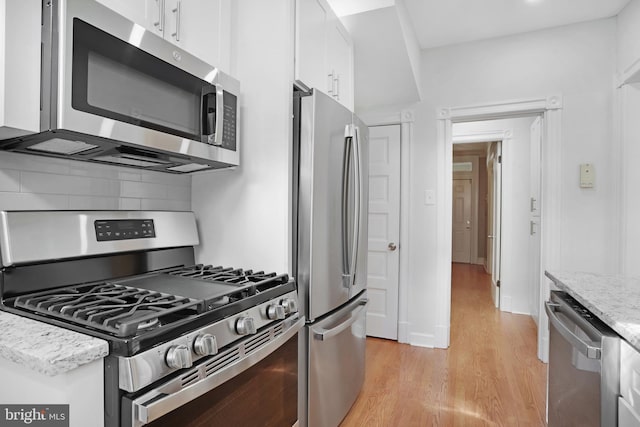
(584, 366)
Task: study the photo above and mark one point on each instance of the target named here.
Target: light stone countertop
(45, 348)
(614, 299)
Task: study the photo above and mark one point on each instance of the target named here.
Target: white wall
(629, 109)
(575, 61)
(515, 293)
(629, 36)
(40, 183)
(243, 214)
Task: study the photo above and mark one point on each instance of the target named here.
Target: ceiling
(444, 22)
(389, 35)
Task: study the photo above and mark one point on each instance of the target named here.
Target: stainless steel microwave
(113, 92)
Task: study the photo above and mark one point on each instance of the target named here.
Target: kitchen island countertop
(45, 348)
(615, 299)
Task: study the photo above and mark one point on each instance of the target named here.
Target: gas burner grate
(259, 279)
(119, 310)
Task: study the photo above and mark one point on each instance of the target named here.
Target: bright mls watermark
(34, 415)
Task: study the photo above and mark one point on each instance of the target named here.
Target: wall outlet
(587, 175)
(429, 197)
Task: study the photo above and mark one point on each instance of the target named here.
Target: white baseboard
(403, 332)
(506, 303)
(480, 261)
(421, 340)
(543, 350)
(442, 336)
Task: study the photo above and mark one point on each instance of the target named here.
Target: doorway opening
(549, 109)
(476, 208)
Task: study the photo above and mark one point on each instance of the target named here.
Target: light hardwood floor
(489, 376)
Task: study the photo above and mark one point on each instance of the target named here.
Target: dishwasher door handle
(584, 347)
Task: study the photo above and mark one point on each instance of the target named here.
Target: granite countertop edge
(44, 348)
(615, 299)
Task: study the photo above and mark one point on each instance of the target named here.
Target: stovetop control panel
(124, 229)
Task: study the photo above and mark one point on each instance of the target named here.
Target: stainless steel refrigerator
(330, 235)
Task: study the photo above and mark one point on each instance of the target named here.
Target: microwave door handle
(346, 267)
(219, 115)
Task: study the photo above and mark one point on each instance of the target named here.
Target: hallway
(489, 376)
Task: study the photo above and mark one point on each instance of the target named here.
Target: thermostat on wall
(587, 175)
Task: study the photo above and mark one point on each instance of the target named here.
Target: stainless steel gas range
(189, 344)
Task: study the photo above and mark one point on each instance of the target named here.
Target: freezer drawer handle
(325, 334)
(586, 348)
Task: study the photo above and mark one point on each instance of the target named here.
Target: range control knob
(290, 305)
(178, 357)
(205, 345)
(276, 311)
(245, 326)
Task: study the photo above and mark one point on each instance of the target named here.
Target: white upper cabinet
(201, 27)
(324, 51)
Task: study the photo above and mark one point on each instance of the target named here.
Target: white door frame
(551, 109)
(405, 119)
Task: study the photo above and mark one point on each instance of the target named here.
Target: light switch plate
(587, 175)
(429, 197)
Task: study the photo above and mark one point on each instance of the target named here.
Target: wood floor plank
(489, 376)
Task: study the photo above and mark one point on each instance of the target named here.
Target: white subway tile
(143, 189)
(35, 182)
(9, 180)
(167, 178)
(128, 176)
(104, 187)
(94, 203)
(129, 204)
(179, 193)
(27, 162)
(30, 201)
(165, 205)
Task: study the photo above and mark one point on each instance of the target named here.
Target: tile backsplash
(40, 183)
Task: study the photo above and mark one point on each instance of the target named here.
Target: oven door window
(266, 394)
(114, 79)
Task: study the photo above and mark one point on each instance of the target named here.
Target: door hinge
(500, 159)
(498, 284)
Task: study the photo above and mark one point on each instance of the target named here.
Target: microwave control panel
(124, 229)
(229, 121)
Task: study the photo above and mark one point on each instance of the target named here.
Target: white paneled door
(461, 221)
(384, 231)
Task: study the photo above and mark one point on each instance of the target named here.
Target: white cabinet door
(310, 43)
(144, 12)
(201, 27)
(340, 62)
(323, 51)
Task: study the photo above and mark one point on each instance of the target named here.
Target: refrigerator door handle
(358, 202)
(347, 274)
(324, 334)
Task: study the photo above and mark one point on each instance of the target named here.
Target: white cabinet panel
(340, 61)
(310, 54)
(201, 27)
(323, 51)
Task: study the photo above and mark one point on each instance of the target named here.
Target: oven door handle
(586, 348)
(157, 403)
